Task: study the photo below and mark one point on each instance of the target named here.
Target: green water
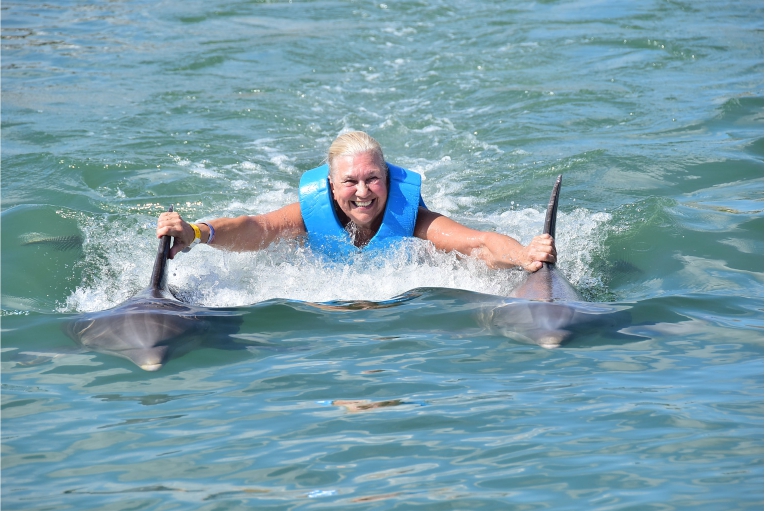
(652, 111)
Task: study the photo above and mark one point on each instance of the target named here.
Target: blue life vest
(325, 232)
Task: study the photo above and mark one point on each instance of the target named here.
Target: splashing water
(206, 276)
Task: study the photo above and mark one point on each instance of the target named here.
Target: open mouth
(363, 204)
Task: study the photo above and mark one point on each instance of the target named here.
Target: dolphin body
(152, 326)
(549, 310)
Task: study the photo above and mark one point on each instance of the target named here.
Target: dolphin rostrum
(152, 326)
(548, 309)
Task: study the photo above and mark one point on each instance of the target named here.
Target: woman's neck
(360, 236)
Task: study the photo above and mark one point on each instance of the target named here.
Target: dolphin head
(545, 323)
(146, 332)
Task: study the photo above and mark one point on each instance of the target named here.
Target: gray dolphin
(548, 309)
(154, 325)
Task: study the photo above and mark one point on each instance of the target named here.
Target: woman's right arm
(238, 234)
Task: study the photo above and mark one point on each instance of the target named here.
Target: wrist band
(212, 233)
(196, 240)
(197, 232)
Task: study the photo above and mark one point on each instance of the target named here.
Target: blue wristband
(211, 237)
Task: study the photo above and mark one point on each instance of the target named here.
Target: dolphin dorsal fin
(552, 211)
(158, 281)
(552, 208)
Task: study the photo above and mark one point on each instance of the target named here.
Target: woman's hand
(171, 224)
(540, 250)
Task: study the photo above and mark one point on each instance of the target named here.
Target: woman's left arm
(497, 250)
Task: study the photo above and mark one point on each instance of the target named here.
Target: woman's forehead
(358, 165)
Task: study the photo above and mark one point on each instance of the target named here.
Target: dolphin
(547, 309)
(548, 283)
(152, 326)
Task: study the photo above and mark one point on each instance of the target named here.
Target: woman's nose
(361, 189)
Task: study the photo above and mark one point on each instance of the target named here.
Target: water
(378, 386)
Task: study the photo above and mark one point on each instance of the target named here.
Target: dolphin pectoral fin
(33, 358)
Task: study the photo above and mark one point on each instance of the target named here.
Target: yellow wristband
(197, 232)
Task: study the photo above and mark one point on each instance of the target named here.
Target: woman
(357, 202)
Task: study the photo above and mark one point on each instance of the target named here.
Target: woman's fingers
(171, 224)
(540, 250)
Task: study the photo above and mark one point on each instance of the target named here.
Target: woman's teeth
(362, 204)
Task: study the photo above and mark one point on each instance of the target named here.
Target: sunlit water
(378, 384)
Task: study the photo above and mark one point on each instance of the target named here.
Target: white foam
(291, 272)
(275, 156)
(119, 264)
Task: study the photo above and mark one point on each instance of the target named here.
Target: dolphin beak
(552, 339)
(148, 359)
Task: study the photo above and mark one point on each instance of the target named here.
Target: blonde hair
(351, 144)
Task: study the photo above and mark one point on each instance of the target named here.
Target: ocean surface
(380, 384)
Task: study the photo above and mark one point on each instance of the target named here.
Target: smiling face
(359, 186)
